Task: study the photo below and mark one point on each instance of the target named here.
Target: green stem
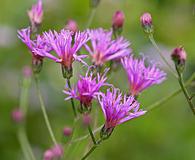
(185, 91)
(25, 145)
(92, 15)
(151, 38)
(91, 134)
(44, 111)
(175, 93)
(92, 149)
(72, 101)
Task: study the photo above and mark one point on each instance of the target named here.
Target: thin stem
(92, 15)
(91, 134)
(151, 38)
(23, 144)
(44, 111)
(175, 93)
(72, 100)
(185, 91)
(92, 149)
(22, 137)
(87, 135)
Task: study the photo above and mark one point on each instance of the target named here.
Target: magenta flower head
(118, 20)
(72, 26)
(48, 155)
(104, 49)
(141, 76)
(36, 15)
(117, 109)
(39, 42)
(65, 47)
(146, 22)
(87, 89)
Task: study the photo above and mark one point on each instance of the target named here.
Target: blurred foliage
(166, 133)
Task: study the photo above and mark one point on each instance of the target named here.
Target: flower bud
(179, 57)
(48, 155)
(146, 22)
(67, 72)
(67, 131)
(27, 71)
(36, 15)
(57, 151)
(118, 19)
(86, 119)
(17, 115)
(72, 26)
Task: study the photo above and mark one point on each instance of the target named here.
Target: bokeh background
(167, 132)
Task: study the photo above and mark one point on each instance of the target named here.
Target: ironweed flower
(104, 49)
(140, 75)
(17, 115)
(87, 88)
(117, 109)
(66, 49)
(39, 42)
(36, 15)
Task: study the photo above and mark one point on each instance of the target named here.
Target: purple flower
(118, 109)
(64, 46)
(36, 14)
(87, 88)
(140, 75)
(39, 42)
(104, 49)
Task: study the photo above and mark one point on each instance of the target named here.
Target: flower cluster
(102, 46)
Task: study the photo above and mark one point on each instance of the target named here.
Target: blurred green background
(166, 133)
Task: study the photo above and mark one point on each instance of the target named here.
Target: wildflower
(72, 26)
(36, 15)
(104, 48)
(67, 131)
(117, 109)
(66, 50)
(39, 42)
(17, 115)
(87, 89)
(55, 152)
(146, 22)
(141, 76)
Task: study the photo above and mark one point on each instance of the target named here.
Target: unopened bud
(179, 57)
(27, 71)
(17, 115)
(48, 155)
(72, 26)
(57, 151)
(67, 131)
(146, 22)
(86, 119)
(118, 19)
